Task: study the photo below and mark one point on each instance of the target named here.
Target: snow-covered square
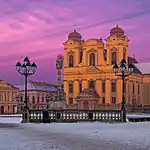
(74, 136)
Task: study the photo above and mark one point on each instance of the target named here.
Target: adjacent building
(89, 64)
(8, 94)
(41, 95)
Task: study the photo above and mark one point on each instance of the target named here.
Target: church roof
(41, 86)
(132, 60)
(144, 68)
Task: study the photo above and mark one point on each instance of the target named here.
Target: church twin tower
(89, 64)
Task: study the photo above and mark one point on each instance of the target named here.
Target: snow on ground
(10, 119)
(10, 115)
(136, 134)
(133, 135)
(138, 115)
(75, 136)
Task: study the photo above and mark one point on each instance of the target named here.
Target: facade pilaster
(66, 90)
(119, 90)
(65, 59)
(76, 57)
(75, 89)
(127, 91)
(141, 93)
(108, 91)
(99, 89)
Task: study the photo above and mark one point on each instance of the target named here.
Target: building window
(33, 99)
(92, 59)
(70, 88)
(103, 87)
(70, 100)
(124, 55)
(113, 100)
(38, 99)
(21, 99)
(42, 98)
(80, 87)
(113, 58)
(13, 109)
(71, 60)
(105, 54)
(138, 89)
(81, 54)
(21, 108)
(91, 84)
(103, 100)
(113, 87)
(133, 88)
(8, 109)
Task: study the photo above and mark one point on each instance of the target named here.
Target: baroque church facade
(89, 65)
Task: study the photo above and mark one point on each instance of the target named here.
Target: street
(77, 136)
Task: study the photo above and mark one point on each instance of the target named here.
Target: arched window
(33, 99)
(124, 55)
(71, 61)
(133, 88)
(92, 59)
(113, 58)
(81, 54)
(91, 84)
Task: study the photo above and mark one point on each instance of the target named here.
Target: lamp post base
(25, 118)
(123, 112)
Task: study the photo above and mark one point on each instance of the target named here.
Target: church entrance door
(86, 105)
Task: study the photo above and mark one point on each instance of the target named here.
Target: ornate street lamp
(123, 73)
(26, 69)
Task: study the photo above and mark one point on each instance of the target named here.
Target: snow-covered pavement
(75, 136)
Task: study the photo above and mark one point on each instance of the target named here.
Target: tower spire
(75, 27)
(116, 23)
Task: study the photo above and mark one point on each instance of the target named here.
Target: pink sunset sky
(37, 29)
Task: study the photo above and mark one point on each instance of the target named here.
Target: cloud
(38, 28)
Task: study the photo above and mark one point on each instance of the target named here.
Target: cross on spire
(75, 27)
(116, 23)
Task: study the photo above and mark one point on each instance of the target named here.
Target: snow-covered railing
(76, 115)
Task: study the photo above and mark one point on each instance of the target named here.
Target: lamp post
(26, 69)
(123, 73)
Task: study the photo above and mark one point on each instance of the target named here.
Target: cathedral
(88, 64)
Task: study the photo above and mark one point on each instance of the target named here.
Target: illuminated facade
(8, 93)
(89, 64)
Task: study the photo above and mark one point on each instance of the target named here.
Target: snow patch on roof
(144, 68)
(42, 86)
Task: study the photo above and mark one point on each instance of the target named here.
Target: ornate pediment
(92, 69)
(70, 52)
(92, 50)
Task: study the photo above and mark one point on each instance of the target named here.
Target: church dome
(117, 31)
(75, 36)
